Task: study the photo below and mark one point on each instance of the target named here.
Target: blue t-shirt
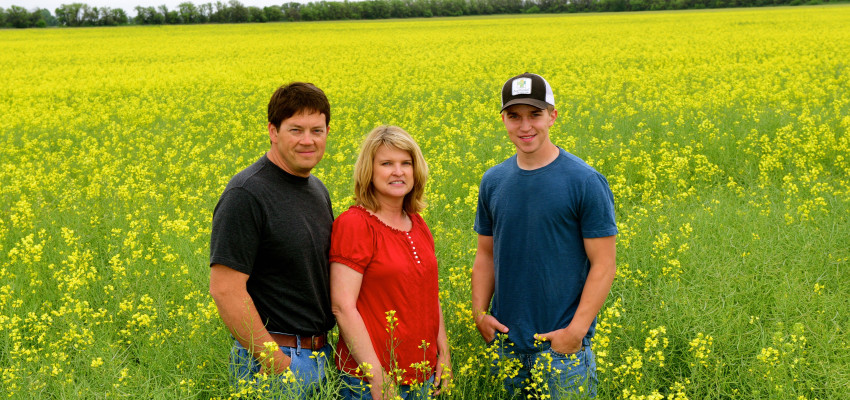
(538, 220)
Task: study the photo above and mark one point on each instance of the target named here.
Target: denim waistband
(585, 342)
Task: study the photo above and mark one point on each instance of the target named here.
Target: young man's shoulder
(566, 162)
(502, 168)
(575, 164)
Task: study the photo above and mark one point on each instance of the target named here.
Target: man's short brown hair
(298, 97)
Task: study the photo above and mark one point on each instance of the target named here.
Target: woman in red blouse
(384, 289)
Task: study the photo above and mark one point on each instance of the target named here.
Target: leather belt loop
(298, 345)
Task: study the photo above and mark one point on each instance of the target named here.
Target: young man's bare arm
(483, 285)
(237, 311)
(602, 253)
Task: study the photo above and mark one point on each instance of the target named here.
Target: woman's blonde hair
(394, 137)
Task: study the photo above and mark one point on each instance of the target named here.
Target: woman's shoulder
(415, 216)
(419, 223)
(354, 216)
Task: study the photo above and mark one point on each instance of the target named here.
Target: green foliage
(233, 11)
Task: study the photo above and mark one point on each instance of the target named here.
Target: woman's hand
(443, 377)
(383, 388)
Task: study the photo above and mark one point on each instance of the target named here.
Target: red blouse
(399, 273)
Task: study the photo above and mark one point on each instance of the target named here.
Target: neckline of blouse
(375, 217)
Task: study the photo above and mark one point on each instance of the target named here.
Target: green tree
(141, 16)
(69, 14)
(398, 9)
(170, 17)
(220, 14)
(148, 16)
(420, 8)
(88, 15)
(256, 15)
(238, 12)
(189, 13)
(112, 16)
(18, 17)
(338, 10)
(46, 16)
(273, 13)
(353, 9)
(205, 12)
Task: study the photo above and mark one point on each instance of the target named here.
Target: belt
(314, 342)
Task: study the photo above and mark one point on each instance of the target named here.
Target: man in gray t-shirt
(269, 271)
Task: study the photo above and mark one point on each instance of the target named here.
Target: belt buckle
(314, 342)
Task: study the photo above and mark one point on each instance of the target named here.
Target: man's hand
(563, 341)
(488, 325)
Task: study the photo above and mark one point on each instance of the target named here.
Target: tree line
(80, 14)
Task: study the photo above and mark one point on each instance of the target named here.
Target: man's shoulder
(314, 182)
(501, 169)
(248, 176)
(574, 166)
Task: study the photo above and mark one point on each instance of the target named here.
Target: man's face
(528, 126)
(299, 144)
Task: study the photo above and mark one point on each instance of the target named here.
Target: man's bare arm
(237, 311)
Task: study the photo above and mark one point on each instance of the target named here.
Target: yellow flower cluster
(785, 361)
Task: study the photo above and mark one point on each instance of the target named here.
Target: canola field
(725, 136)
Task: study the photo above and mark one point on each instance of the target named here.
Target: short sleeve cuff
(599, 233)
(348, 263)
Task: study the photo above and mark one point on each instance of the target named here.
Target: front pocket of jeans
(571, 356)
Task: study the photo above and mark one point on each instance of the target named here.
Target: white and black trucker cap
(528, 88)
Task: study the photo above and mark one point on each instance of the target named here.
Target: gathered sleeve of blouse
(352, 241)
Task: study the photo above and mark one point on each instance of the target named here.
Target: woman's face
(392, 173)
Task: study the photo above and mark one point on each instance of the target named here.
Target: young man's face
(299, 144)
(528, 126)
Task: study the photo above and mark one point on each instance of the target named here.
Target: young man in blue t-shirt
(546, 250)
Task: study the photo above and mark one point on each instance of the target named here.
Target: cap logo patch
(521, 86)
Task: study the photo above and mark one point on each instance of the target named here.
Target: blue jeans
(357, 389)
(308, 372)
(570, 376)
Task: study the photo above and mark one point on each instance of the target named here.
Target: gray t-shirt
(276, 227)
